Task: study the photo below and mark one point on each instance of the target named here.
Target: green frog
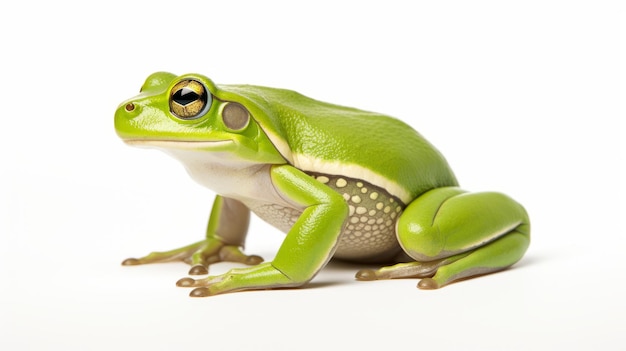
(340, 182)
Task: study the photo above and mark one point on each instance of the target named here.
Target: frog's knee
(420, 241)
(417, 229)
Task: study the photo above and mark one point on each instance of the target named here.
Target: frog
(340, 182)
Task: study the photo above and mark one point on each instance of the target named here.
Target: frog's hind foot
(489, 258)
(405, 270)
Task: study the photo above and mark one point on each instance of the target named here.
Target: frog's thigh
(463, 234)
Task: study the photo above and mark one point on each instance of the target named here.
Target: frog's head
(191, 113)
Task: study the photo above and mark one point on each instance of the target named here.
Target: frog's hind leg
(454, 235)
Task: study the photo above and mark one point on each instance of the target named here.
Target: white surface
(520, 98)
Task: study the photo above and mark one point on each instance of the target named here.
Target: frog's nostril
(129, 107)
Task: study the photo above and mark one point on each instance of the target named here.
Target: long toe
(366, 274)
(428, 284)
(186, 282)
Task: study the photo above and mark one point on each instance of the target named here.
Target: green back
(327, 133)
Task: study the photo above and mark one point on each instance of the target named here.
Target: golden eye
(235, 116)
(189, 99)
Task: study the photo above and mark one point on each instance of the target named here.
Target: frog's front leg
(225, 236)
(308, 246)
(454, 235)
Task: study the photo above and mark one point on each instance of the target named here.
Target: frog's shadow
(343, 268)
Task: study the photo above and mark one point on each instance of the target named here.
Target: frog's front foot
(261, 276)
(199, 255)
(202, 286)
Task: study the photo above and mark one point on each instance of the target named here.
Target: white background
(521, 98)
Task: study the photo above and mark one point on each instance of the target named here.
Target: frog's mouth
(181, 145)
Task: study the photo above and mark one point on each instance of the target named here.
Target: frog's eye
(235, 116)
(189, 99)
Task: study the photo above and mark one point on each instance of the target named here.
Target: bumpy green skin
(340, 182)
(301, 127)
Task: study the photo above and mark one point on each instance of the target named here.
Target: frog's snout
(124, 116)
(128, 110)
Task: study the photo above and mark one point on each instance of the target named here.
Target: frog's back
(327, 139)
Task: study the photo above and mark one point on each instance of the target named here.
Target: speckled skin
(369, 234)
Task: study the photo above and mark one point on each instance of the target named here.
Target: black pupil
(185, 96)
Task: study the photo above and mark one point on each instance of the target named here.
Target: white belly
(368, 233)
